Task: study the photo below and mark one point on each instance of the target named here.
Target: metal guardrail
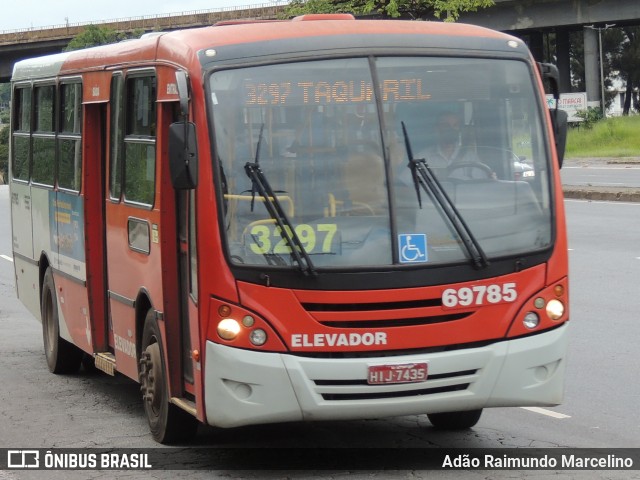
(148, 22)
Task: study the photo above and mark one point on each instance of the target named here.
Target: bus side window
(69, 137)
(140, 140)
(44, 136)
(21, 134)
(116, 145)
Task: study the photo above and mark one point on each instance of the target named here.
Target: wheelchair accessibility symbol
(413, 247)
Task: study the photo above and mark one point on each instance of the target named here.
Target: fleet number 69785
(479, 295)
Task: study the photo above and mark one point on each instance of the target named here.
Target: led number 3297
(479, 295)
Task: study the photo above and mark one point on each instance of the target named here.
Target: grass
(612, 137)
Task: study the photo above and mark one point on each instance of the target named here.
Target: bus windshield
(328, 139)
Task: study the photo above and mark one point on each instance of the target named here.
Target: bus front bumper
(245, 387)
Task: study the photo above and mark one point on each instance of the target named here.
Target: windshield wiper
(261, 185)
(423, 177)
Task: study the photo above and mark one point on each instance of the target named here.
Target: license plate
(399, 373)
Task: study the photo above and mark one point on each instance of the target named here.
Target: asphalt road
(40, 410)
(598, 172)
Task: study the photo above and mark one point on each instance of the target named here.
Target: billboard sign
(571, 103)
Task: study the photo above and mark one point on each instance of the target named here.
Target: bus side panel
(26, 267)
(123, 324)
(45, 236)
(27, 284)
(66, 222)
(73, 312)
(130, 273)
(21, 216)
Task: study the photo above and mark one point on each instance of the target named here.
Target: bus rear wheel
(62, 356)
(168, 423)
(455, 420)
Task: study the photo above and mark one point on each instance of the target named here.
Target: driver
(449, 151)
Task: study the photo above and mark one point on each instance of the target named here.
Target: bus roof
(250, 39)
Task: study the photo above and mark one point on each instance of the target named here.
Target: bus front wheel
(62, 356)
(455, 420)
(168, 423)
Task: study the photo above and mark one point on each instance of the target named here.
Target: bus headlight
(228, 328)
(555, 309)
(258, 337)
(531, 320)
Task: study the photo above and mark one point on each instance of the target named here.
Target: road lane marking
(611, 167)
(601, 184)
(602, 202)
(7, 258)
(548, 413)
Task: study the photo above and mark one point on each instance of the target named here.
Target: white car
(522, 170)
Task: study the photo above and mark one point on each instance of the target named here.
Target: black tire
(62, 356)
(89, 364)
(455, 420)
(168, 423)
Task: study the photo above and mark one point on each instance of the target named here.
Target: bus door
(188, 276)
(185, 333)
(186, 263)
(132, 219)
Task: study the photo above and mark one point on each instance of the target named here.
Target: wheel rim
(151, 379)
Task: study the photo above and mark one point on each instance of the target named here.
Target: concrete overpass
(24, 43)
(529, 19)
(532, 15)
(533, 19)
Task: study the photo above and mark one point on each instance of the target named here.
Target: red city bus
(323, 218)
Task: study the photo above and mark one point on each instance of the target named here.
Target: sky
(21, 14)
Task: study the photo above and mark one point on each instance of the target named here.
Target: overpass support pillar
(536, 45)
(563, 61)
(591, 65)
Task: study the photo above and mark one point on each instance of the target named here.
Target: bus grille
(389, 314)
(407, 393)
(360, 307)
(341, 390)
(394, 322)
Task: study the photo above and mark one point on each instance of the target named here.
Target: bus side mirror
(559, 117)
(182, 84)
(183, 150)
(183, 155)
(559, 120)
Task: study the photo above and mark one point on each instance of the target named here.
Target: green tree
(448, 10)
(611, 43)
(626, 61)
(92, 36)
(5, 93)
(4, 152)
(5, 97)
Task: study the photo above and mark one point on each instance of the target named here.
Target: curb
(608, 194)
